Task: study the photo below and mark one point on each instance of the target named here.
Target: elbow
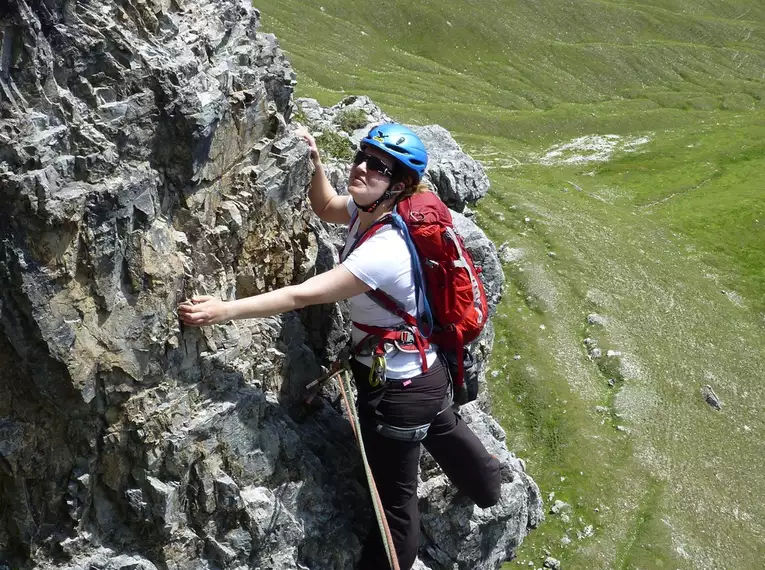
(316, 209)
(323, 213)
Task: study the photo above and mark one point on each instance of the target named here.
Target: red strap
(460, 379)
(368, 233)
(420, 343)
(388, 303)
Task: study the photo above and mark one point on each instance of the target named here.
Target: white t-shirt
(383, 262)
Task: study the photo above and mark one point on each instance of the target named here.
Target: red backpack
(456, 308)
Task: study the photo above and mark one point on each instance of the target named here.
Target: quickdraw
(313, 388)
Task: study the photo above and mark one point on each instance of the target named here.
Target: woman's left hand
(204, 310)
(303, 132)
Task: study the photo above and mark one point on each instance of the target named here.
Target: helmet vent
(399, 149)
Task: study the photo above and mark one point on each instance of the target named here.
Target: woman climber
(399, 405)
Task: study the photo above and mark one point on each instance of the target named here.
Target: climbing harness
(344, 382)
(417, 433)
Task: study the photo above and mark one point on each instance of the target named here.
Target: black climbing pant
(394, 463)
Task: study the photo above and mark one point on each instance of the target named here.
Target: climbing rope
(344, 382)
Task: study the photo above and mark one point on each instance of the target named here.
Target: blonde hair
(412, 189)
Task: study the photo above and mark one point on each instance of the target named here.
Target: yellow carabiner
(377, 371)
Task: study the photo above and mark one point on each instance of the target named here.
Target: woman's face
(366, 185)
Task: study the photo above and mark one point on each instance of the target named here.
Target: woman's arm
(325, 202)
(334, 285)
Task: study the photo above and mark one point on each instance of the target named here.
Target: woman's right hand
(303, 132)
(203, 310)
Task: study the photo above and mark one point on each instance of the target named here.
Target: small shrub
(299, 116)
(351, 119)
(335, 145)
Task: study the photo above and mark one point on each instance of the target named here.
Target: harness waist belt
(406, 340)
(417, 433)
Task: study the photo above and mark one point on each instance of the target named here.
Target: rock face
(460, 179)
(146, 155)
(462, 535)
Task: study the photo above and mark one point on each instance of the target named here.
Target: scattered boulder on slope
(509, 254)
(560, 507)
(710, 397)
(595, 319)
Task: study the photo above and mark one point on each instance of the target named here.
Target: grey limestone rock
(459, 534)
(146, 155)
(326, 118)
(596, 319)
(560, 507)
(511, 254)
(458, 178)
(104, 559)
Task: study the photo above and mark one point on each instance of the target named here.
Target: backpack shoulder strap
(368, 233)
(389, 303)
(378, 295)
(424, 326)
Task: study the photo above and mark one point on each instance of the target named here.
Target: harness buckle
(406, 341)
(406, 337)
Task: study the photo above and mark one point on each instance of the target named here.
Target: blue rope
(424, 319)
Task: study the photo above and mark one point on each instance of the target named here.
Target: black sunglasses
(373, 163)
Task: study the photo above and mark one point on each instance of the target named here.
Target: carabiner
(377, 371)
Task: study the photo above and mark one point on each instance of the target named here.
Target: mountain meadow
(625, 143)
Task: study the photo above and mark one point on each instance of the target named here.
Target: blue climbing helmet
(401, 143)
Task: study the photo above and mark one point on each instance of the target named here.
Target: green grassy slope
(665, 241)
